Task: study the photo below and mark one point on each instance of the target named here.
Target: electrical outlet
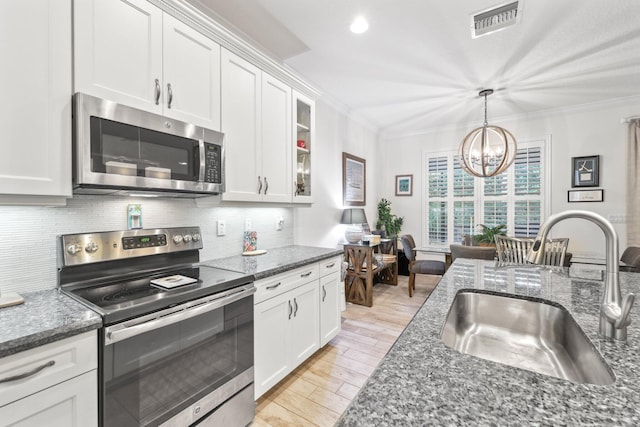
(247, 224)
(279, 222)
(222, 228)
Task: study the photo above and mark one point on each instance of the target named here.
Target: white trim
(541, 114)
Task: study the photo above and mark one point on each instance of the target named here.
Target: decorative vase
(353, 235)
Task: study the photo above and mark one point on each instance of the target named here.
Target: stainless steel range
(176, 347)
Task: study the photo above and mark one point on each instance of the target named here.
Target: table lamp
(355, 218)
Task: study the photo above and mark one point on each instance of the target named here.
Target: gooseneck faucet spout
(614, 311)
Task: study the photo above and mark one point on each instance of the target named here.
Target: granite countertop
(44, 317)
(275, 261)
(422, 382)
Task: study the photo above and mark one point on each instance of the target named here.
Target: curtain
(633, 184)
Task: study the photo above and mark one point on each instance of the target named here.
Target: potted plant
(391, 224)
(486, 237)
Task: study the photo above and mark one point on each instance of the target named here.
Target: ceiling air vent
(494, 19)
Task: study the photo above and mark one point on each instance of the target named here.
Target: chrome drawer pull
(170, 92)
(274, 286)
(324, 293)
(28, 374)
(306, 274)
(290, 309)
(157, 91)
(330, 265)
(296, 309)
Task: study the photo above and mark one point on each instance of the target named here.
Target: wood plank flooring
(319, 390)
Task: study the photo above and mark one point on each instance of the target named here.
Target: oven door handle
(129, 329)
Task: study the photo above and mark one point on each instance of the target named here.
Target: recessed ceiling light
(359, 25)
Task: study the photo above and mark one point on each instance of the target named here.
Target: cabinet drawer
(329, 266)
(47, 365)
(278, 284)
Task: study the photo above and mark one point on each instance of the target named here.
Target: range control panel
(87, 248)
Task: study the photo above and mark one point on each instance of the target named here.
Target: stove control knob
(177, 239)
(91, 247)
(186, 238)
(196, 237)
(73, 249)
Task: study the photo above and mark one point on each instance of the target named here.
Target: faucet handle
(623, 320)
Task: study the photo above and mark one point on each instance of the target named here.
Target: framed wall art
(354, 180)
(404, 185)
(585, 171)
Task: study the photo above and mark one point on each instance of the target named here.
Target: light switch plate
(247, 224)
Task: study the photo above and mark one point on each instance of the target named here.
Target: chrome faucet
(614, 312)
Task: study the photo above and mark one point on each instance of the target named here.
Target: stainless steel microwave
(123, 150)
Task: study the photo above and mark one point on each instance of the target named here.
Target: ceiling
(418, 68)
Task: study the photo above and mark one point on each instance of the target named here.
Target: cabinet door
(304, 337)
(276, 131)
(241, 83)
(303, 148)
(329, 307)
(71, 403)
(118, 51)
(191, 74)
(271, 348)
(35, 113)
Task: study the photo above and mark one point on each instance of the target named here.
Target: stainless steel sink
(535, 335)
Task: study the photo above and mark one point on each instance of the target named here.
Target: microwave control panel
(213, 163)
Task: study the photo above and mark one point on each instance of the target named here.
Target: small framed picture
(585, 171)
(585, 196)
(404, 185)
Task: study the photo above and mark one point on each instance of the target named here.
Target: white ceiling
(418, 67)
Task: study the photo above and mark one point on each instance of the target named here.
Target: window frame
(479, 198)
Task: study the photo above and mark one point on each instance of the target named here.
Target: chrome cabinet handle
(324, 293)
(290, 309)
(274, 286)
(170, 92)
(295, 311)
(266, 185)
(330, 265)
(306, 274)
(157, 92)
(259, 185)
(28, 374)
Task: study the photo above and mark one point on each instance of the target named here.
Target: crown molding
(541, 114)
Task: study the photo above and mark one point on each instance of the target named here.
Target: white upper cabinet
(35, 113)
(132, 53)
(276, 131)
(191, 70)
(304, 146)
(118, 51)
(256, 121)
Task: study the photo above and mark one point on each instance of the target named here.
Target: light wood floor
(319, 390)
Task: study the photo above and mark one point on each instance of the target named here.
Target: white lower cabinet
(53, 385)
(292, 320)
(329, 300)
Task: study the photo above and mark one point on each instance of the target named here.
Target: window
(456, 201)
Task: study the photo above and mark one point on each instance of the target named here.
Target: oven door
(179, 364)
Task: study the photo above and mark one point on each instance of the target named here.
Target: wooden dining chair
(418, 266)
(514, 250)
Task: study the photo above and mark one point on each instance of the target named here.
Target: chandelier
(489, 150)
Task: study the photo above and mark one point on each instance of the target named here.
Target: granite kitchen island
(423, 382)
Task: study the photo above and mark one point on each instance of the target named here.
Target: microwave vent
(495, 19)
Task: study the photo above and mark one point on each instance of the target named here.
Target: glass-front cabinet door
(304, 141)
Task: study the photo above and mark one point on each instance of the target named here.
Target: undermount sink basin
(538, 336)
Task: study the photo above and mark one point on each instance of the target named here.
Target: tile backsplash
(28, 234)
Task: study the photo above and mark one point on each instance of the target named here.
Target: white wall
(579, 131)
(318, 224)
(28, 243)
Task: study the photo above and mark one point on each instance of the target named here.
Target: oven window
(121, 149)
(150, 377)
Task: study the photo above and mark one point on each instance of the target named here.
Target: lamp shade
(353, 216)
